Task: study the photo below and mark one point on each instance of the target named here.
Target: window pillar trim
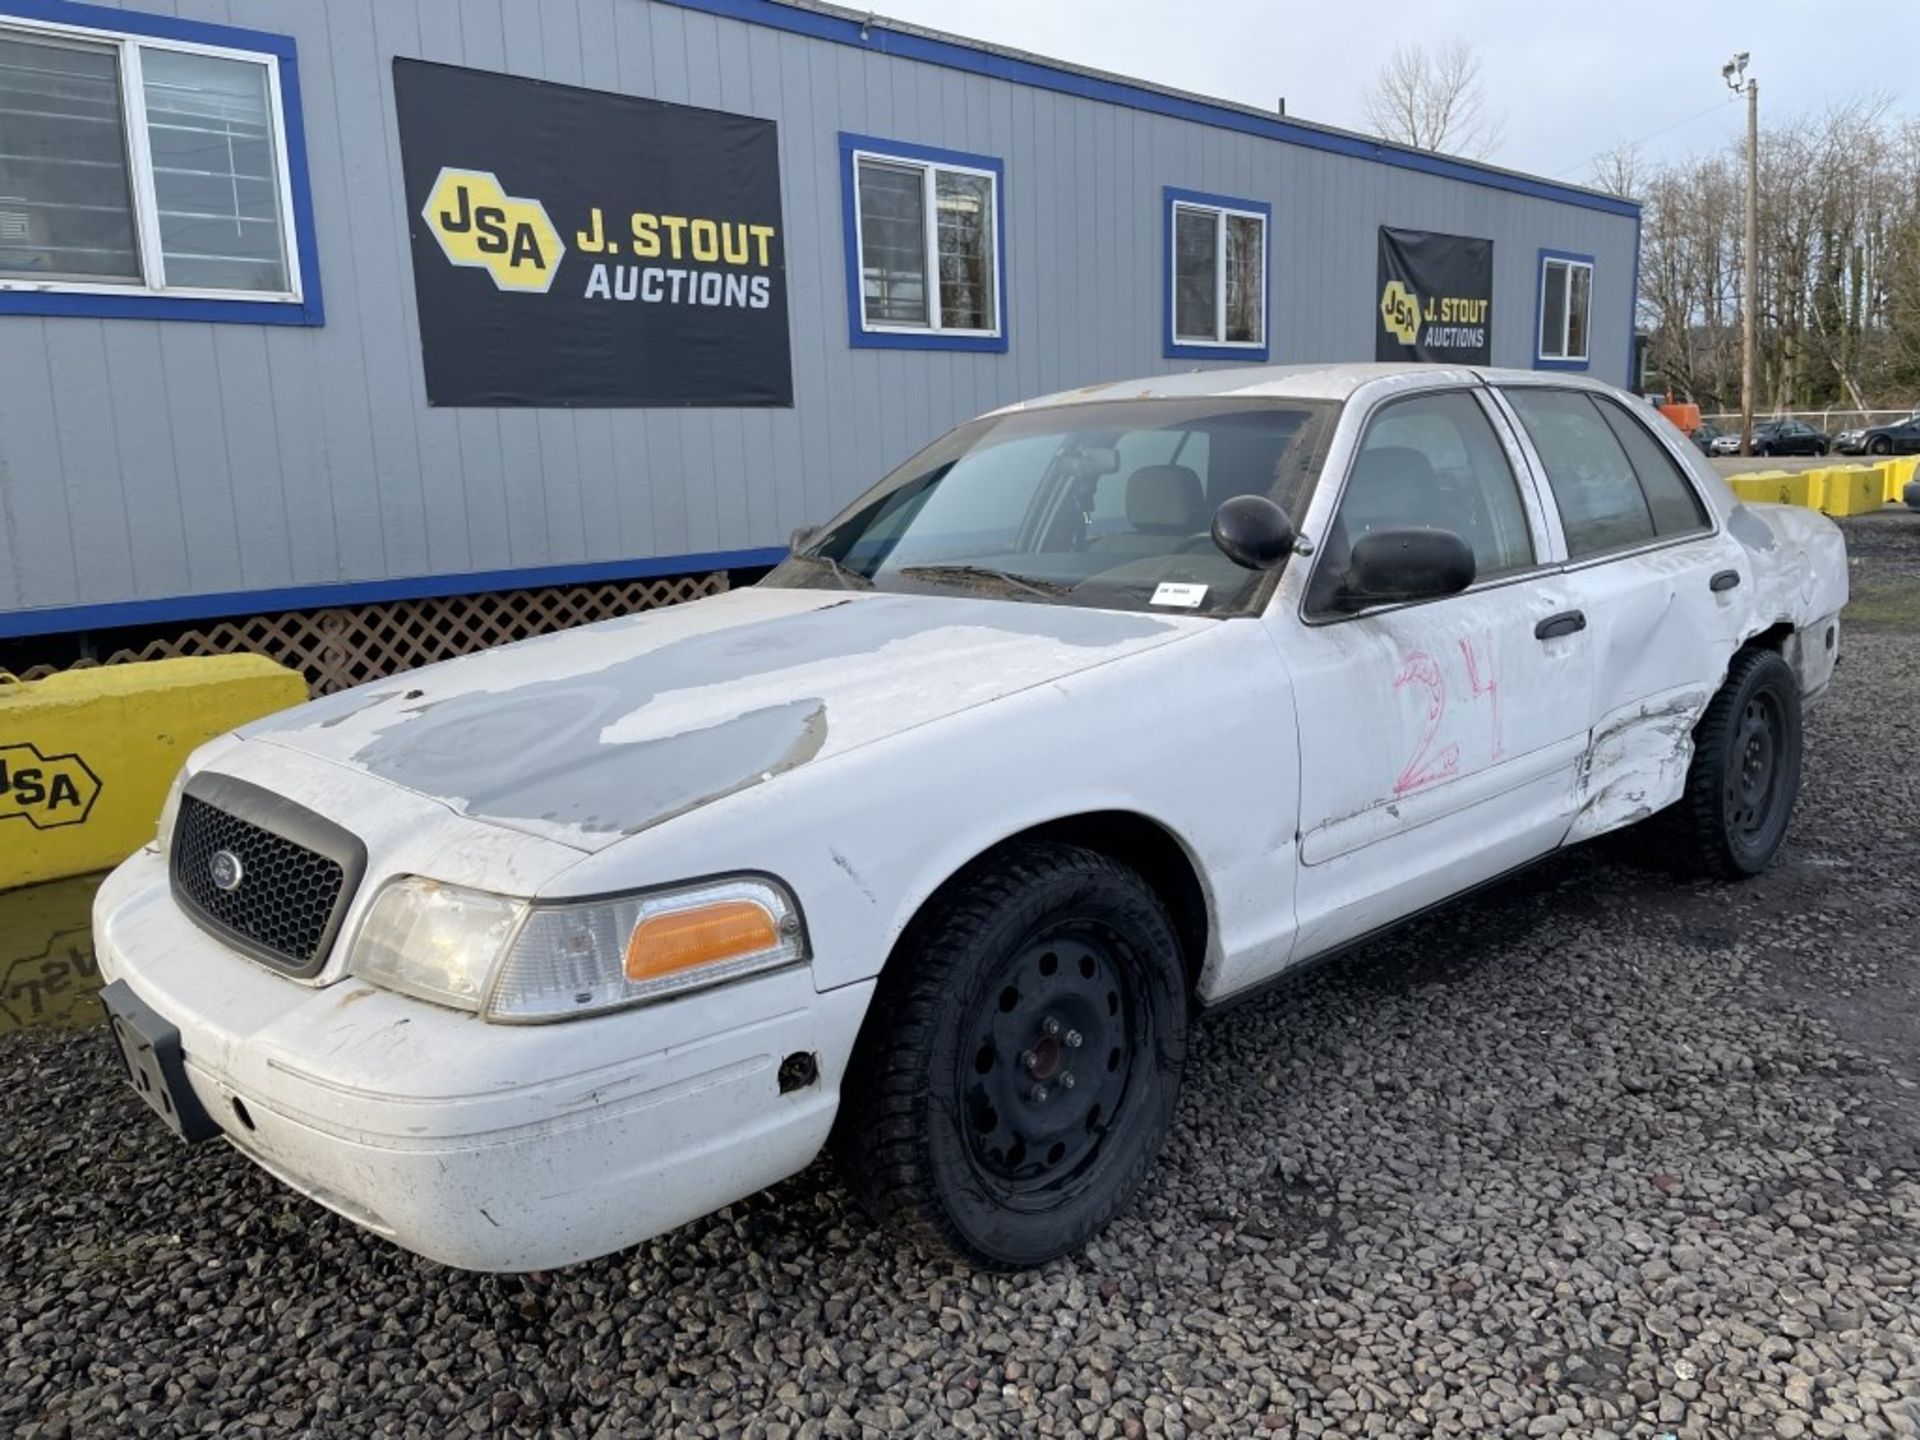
(1569, 261)
(926, 159)
(128, 31)
(1173, 346)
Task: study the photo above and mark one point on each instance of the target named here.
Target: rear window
(1614, 484)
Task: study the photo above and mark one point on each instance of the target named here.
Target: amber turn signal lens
(683, 939)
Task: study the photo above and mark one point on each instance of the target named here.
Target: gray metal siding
(142, 460)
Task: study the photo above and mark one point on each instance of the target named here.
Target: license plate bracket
(156, 1064)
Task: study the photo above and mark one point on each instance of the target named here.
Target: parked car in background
(1896, 437)
(1776, 437)
(1705, 433)
(927, 849)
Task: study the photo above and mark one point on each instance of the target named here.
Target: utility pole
(1733, 72)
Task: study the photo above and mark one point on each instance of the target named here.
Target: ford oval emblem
(226, 870)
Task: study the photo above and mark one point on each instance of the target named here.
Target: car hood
(593, 734)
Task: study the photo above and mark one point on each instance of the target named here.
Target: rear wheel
(1745, 772)
(1017, 1070)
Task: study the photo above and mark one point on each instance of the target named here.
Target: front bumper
(486, 1147)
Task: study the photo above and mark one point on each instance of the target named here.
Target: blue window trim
(1175, 349)
(1542, 362)
(858, 335)
(63, 619)
(876, 36)
(309, 309)
(1634, 376)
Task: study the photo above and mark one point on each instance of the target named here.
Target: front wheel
(1745, 772)
(1017, 1070)
(1880, 446)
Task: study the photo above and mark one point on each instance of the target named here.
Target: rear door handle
(1725, 580)
(1567, 622)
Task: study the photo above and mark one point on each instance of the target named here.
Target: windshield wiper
(1033, 585)
(849, 579)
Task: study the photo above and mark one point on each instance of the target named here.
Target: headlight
(169, 814)
(436, 942)
(517, 962)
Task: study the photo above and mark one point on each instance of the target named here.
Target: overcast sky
(1569, 79)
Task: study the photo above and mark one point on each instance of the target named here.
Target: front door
(1440, 741)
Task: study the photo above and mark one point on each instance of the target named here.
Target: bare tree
(1433, 102)
(1619, 172)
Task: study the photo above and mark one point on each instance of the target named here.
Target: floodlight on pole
(1734, 72)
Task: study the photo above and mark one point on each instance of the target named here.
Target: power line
(1652, 135)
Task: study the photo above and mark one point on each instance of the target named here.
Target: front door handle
(1725, 580)
(1567, 622)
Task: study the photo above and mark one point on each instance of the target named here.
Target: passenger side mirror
(1253, 532)
(1393, 567)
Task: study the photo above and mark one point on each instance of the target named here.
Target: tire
(965, 1067)
(1820, 447)
(1880, 445)
(1745, 772)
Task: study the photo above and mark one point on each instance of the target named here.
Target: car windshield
(1105, 504)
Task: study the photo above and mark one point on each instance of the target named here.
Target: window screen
(1599, 497)
(893, 244)
(1196, 281)
(66, 207)
(215, 175)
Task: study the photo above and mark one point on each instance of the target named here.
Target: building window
(1216, 276)
(924, 241)
(150, 174)
(1566, 303)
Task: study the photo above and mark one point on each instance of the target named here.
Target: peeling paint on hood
(596, 733)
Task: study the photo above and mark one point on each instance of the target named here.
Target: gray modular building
(341, 302)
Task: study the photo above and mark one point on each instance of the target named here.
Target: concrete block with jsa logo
(86, 756)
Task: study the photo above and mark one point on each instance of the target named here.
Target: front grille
(284, 898)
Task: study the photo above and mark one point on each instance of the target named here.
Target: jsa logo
(1400, 308)
(477, 223)
(45, 790)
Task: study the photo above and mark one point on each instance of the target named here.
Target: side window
(1433, 460)
(1675, 507)
(1599, 497)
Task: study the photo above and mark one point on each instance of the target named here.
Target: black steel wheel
(1745, 772)
(1018, 1066)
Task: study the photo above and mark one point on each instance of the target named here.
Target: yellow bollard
(86, 756)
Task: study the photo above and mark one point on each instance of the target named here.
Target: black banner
(573, 247)
(1435, 298)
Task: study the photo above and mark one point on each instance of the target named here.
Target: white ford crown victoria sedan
(930, 847)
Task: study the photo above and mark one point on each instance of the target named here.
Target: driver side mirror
(802, 536)
(1253, 532)
(1394, 567)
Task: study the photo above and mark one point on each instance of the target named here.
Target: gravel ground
(1598, 1153)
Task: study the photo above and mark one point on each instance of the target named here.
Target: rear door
(1439, 741)
(1654, 580)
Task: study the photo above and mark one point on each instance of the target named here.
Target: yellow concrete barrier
(1851, 489)
(1779, 487)
(86, 756)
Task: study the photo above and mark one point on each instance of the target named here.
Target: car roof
(1289, 382)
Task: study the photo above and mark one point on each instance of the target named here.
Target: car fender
(1197, 737)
